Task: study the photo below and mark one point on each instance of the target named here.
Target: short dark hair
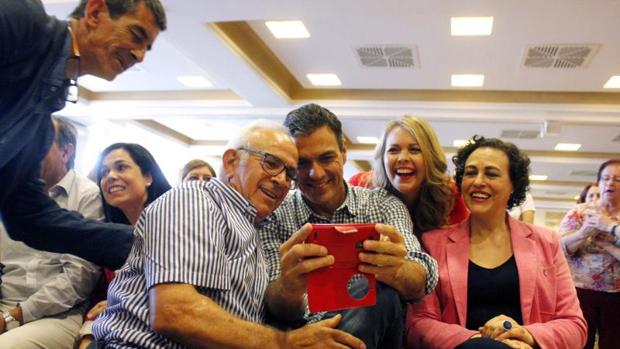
(518, 165)
(148, 166)
(117, 8)
(605, 164)
(66, 133)
(310, 117)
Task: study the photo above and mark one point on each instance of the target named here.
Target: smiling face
(404, 163)
(320, 165)
(244, 171)
(609, 184)
(486, 184)
(122, 182)
(111, 46)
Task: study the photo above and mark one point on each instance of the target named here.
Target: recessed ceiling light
(567, 146)
(467, 80)
(471, 26)
(538, 178)
(194, 81)
(613, 82)
(459, 142)
(324, 79)
(96, 84)
(367, 140)
(288, 29)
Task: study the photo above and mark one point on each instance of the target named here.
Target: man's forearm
(185, 316)
(282, 304)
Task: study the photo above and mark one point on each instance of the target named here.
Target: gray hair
(117, 8)
(66, 133)
(248, 133)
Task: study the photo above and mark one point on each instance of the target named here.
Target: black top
(492, 292)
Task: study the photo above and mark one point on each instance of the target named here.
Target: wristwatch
(9, 321)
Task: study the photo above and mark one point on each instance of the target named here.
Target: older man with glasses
(197, 276)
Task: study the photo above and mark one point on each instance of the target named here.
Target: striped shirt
(202, 234)
(360, 206)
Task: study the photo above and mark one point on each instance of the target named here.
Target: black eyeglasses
(73, 91)
(272, 164)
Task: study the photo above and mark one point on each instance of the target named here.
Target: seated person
(322, 196)
(43, 293)
(502, 283)
(129, 179)
(410, 163)
(196, 275)
(197, 170)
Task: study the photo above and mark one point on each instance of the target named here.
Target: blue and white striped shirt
(201, 233)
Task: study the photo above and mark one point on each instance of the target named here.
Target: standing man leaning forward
(196, 276)
(41, 57)
(404, 271)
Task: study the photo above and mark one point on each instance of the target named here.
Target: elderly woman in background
(589, 194)
(410, 163)
(590, 238)
(502, 283)
(129, 179)
(197, 170)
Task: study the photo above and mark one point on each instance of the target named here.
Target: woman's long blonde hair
(436, 196)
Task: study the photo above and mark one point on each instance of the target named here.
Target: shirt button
(53, 88)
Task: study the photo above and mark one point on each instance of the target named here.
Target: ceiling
(255, 75)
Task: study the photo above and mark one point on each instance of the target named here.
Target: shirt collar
(235, 198)
(64, 184)
(349, 206)
(58, 76)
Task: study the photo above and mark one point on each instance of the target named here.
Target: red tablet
(341, 285)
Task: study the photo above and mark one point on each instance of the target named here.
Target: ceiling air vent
(388, 56)
(583, 173)
(559, 56)
(520, 134)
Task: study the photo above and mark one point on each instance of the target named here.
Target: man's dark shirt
(31, 44)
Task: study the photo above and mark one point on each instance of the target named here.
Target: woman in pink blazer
(502, 283)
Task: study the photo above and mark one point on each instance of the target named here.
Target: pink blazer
(549, 304)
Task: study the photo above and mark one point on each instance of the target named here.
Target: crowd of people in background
(219, 261)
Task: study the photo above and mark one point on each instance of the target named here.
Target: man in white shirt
(43, 294)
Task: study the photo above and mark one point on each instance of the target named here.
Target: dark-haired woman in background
(589, 194)
(129, 179)
(590, 239)
(502, 283)
(410, 163)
